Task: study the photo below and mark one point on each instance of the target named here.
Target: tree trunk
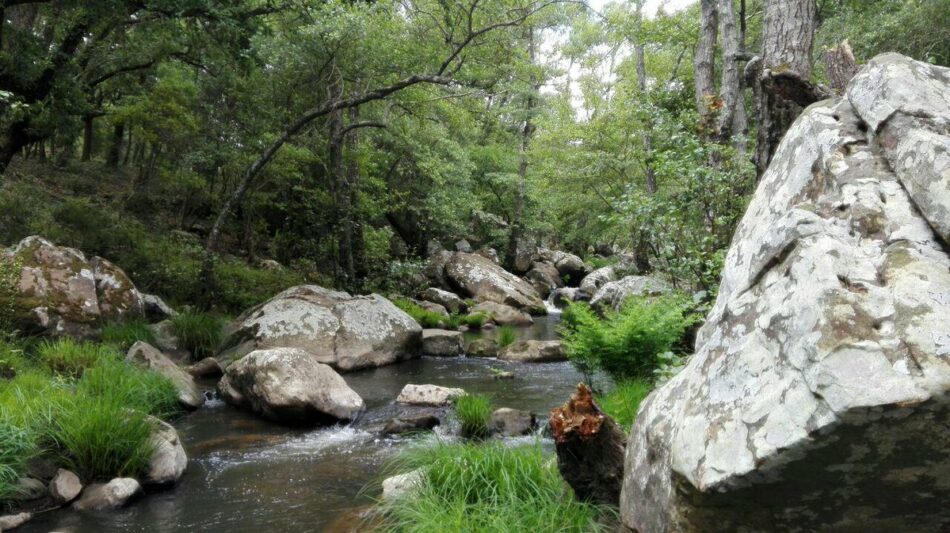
(115, 149)
(649, 171)
(788, 30)
(840, 66)
(87, 136)
(590, 448)
(704, 64)
(357, 245)
(517, 225)
(732, 117)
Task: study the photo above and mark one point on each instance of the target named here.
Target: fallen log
(590, 448)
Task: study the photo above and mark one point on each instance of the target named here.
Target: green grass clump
(623, 402)
(475, 320)
(69, 358)
(625, 344)
(487, 487)
(17, 446)
(199, 333)
(425, 318)
(507, 335)
(99, 437)
(143, 390)
(124, 334)
(474, 412)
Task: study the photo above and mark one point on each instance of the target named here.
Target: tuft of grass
(99, 437)
(199, 333)
(142, 390)
(507, 335)
(425, 318)
(69, 358)
(17, 447)
(487, 487)
(124, 334)
(623, 402)
(474, 412)
(475, 320)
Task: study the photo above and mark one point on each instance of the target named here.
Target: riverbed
(246, 474)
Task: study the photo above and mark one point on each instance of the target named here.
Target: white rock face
(442, 342)
(343, 331)
(111, 495)
(613, 294)
(429, 395)
(169, 460)
(65, 486)
(818, 395)
(145, 355)
(533, 351)
(485, 281)
(288, 385)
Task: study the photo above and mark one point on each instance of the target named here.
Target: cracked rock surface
(818, 395)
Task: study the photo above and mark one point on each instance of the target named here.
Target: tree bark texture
(732, 116)
(840, 66)
(527, 130)
(704, 63)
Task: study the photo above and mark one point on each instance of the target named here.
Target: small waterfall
(549, 304)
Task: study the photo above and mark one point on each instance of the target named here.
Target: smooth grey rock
(343, 331)
(206, 368)
(166, 340)
(144, 355)
(13, 521)
(482, 347)
(65, 486)
(441, 342)
(817, 396)
(512, 422)
(410, 424)
(485, 281)
(571, 267)
(448, 300)
(463, 246)
(169, 460)
(430, 395)
(597, 279)
(402, 485)
(533, 351)
(544, 277)
(107, 496)
(288, 385)
(503, 314)
(613, 294)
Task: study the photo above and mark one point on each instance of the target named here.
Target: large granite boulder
(61, 292)
(448, 300)
(428, 395)
(343, 331)
(817, 399)
(613, 294)
(289, 386)
(570, 266)
(485, 281)
(442, 342)
(169, 460)
(533, 351)
(597, 279)
(144, 355)
(504, 315)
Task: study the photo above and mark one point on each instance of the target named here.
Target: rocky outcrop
(533, 351)
(107, 496)
(503, 314)
(441, 342)
(818, 395)
(613, 294)
(597, 279)
(428, 395)
(144, 355)
(289, 386)
(571, 267)
(61, 292)
(343, 331)
(169, 460)
(544, 277)
(483, 280)
(448, 300)
(512, 422)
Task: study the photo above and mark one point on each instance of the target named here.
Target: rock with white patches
(483, 280)
(818, 395)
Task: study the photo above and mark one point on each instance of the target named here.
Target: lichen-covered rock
(169, 460)
(108, 496)
(485, 281)
(62, 293)
(448, 300)
(145, 355)
(597, 279)
(289, 386)
(441, 342)
(503, 314)
(613, 294)
(343, 331)
(533, 351)
(818, 395)
(428, 395)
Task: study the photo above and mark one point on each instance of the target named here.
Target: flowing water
(245, 474)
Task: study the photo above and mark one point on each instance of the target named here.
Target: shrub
(199, 333)
(625, 344)
(10, 268)
(124, 334)
(475, 320)
(98, 437)
(425, 318)
(623, 402)
(71, 358)
(487, 487)
(17, 446)
(241, 286)
(507, 335)
(143, 390)
(474, 412)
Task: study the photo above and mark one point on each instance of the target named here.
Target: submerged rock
(817, 397)
(533, 351)
(431, 395)
(411, 424)
(65, 486)
(441, 342)
(503, 314)
(343, 331)
(145, 355)
(107, 496)
(288, 385)
(613, 294)
(485, 281)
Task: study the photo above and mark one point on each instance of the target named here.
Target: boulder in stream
(108, 496)
(597, 279)
(65, 486)
(613, 294)
(485, 281)
(411, 424)
(482, 347)
(289, 386)
(503, 314)
(817, 399)
(512, 422)
(13, 521)
(428, 395)
(169, 460)
(448, 300)
(343, 331)
(441, 342)
(144, 355)
(533, 351)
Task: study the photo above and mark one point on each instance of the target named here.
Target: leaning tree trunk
(704, 63)
(788, 30)
(590, 448)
